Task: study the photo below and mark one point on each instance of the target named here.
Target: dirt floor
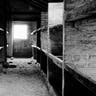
(24, 80)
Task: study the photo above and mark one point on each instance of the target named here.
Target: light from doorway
(20, 31)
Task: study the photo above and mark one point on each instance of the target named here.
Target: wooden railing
(51, 66)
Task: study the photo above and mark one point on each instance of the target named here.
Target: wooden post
(63, 65)
(5, 25)
(38, 35)
(3, 20)
(38, 39)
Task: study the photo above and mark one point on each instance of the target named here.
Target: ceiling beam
(36, 5)
(25, 17)
(40, 3)
(45, 2)
(55, 1)
(26, 13)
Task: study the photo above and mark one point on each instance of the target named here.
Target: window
(20, 31)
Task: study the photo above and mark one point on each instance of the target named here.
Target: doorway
(21, 38)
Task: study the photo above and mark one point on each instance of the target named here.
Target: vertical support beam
(48, 46)
(39, 34)
(38, 39)
(8, 25)
(5, 38)
(12, 39)
(5, 26)
(63, 65)
(3, 20)
(5, 43)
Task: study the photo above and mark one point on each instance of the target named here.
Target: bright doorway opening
(20, 31)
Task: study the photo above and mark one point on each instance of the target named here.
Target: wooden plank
(55, 59)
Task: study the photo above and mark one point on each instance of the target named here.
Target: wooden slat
(55, 59)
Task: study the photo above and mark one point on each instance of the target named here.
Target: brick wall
(80, 44)
(44, 33)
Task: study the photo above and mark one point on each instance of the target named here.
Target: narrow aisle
(24, 80)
